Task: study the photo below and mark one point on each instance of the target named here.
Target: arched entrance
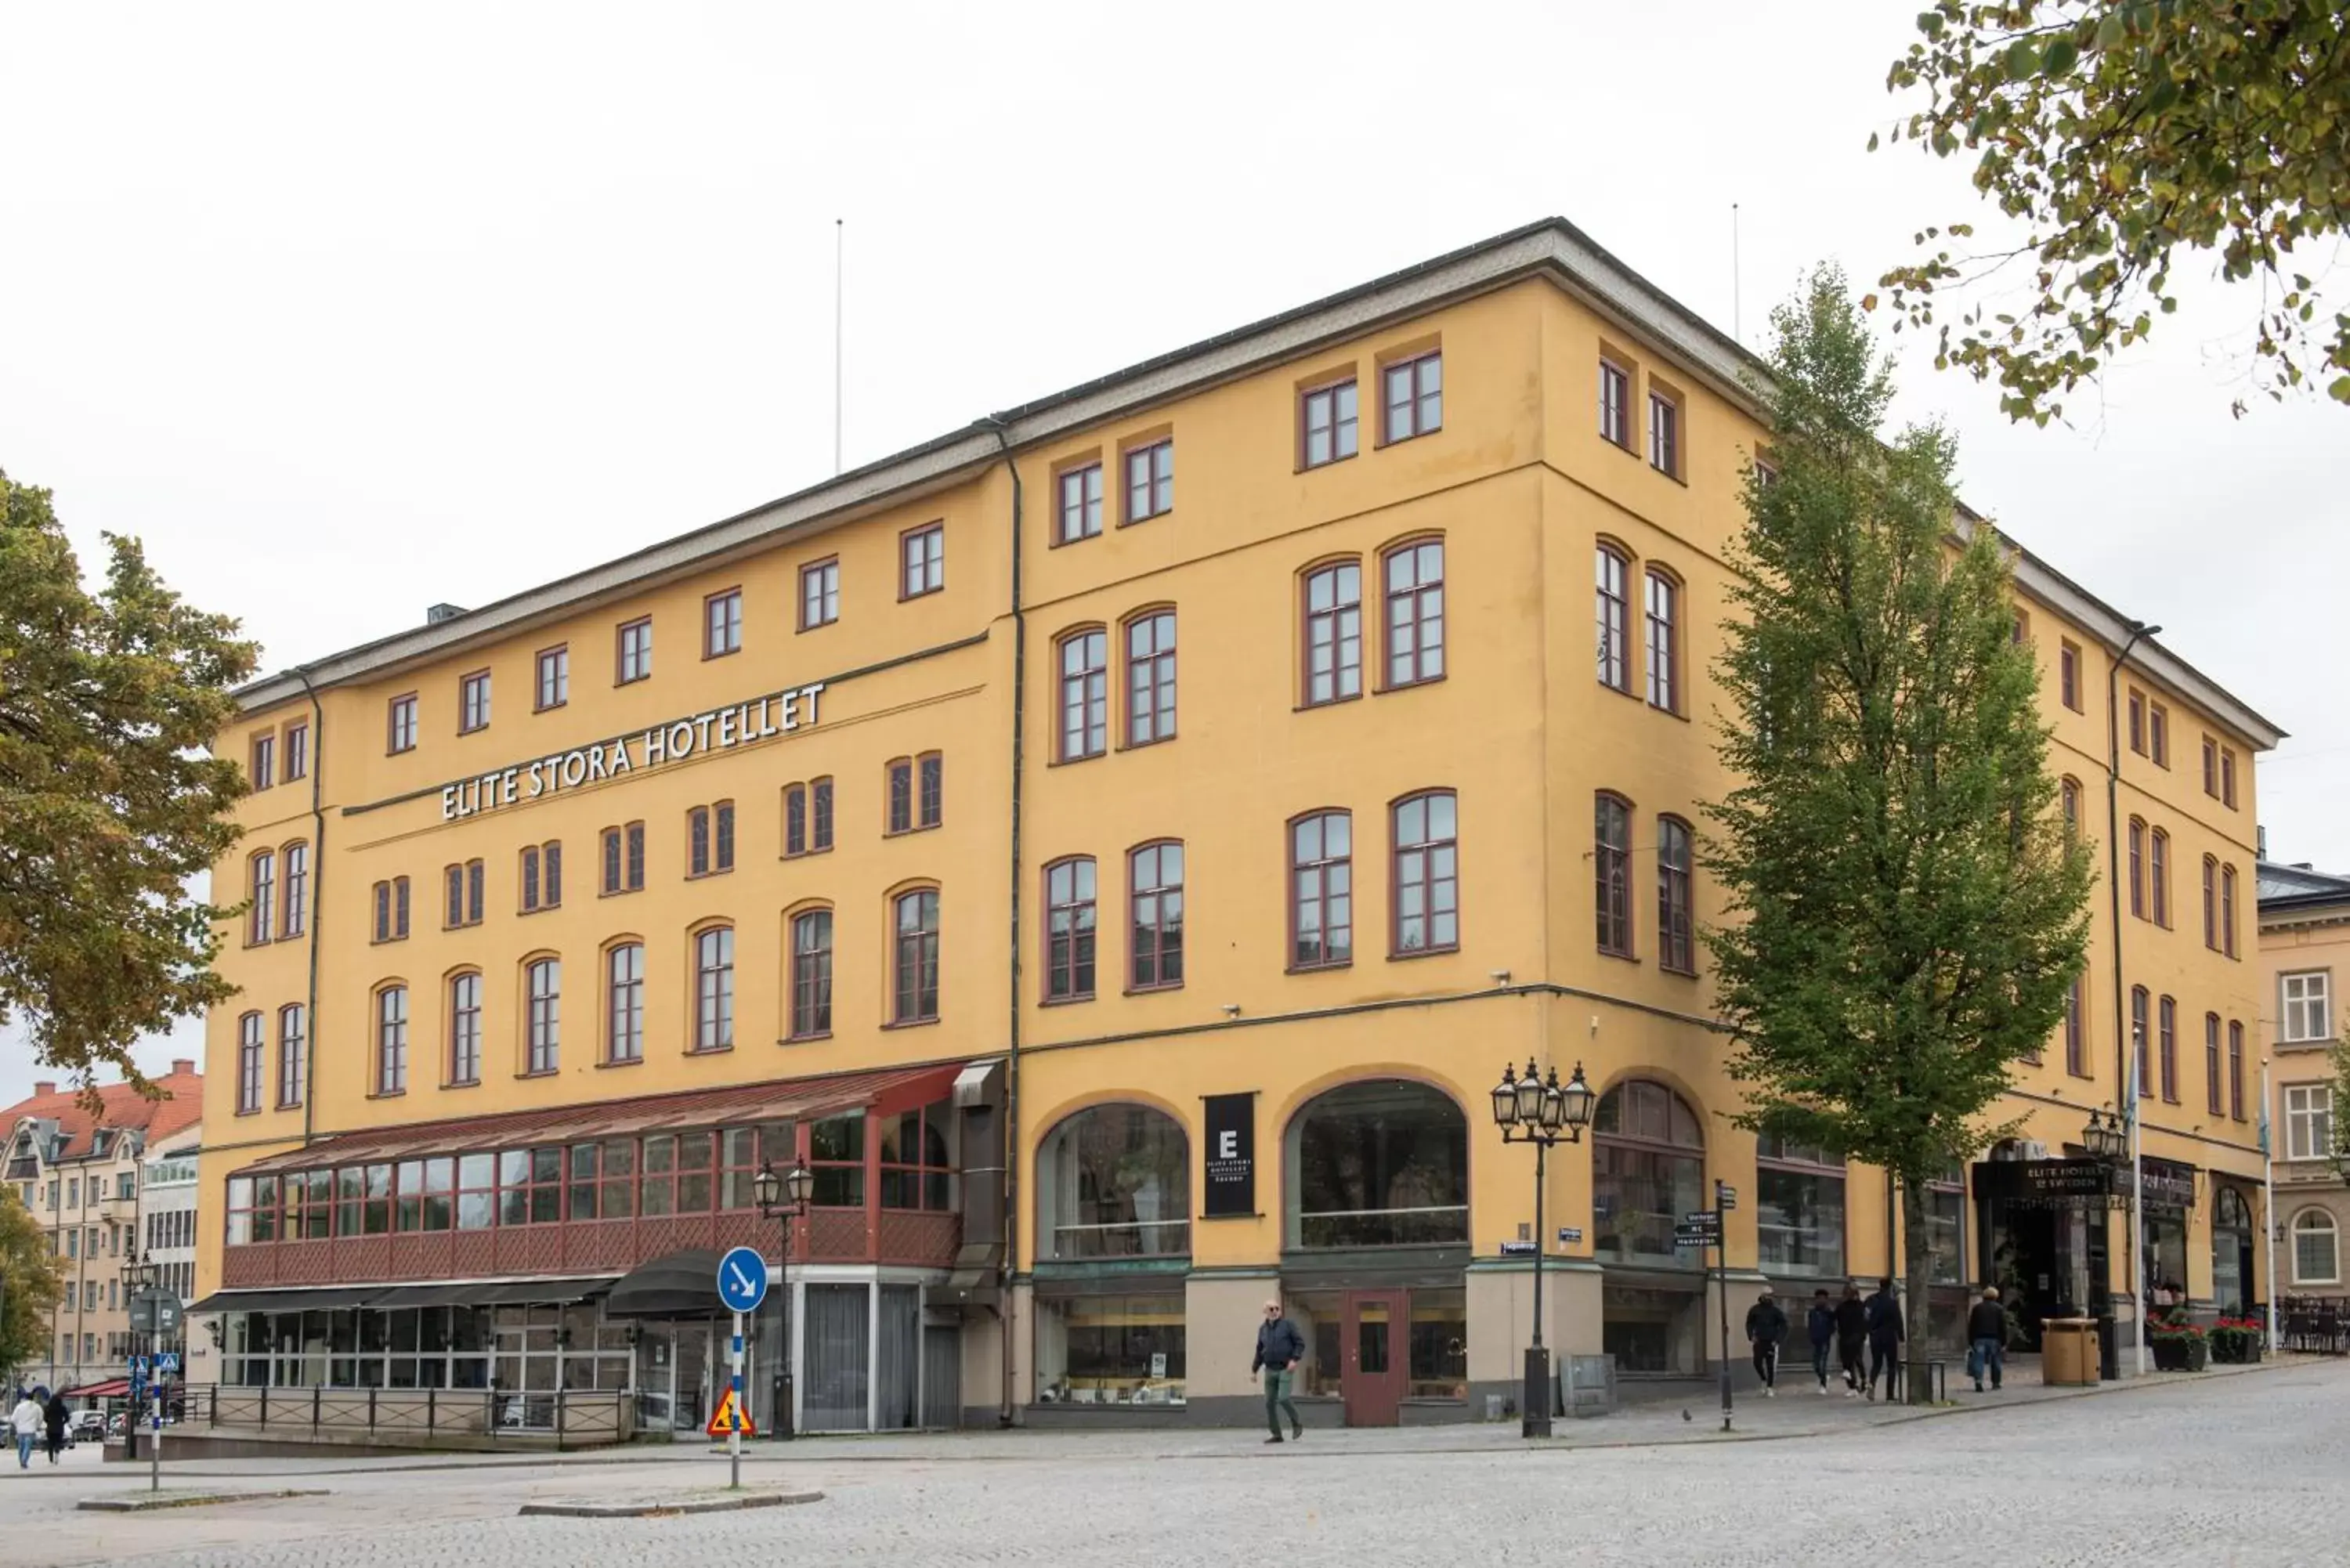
(1113, 1248)
(1376, 1229)
(1648, 1169)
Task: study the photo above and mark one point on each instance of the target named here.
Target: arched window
(297, 889)
(1415, 600)
(796, 819)
(1798, 1208)
(2137, 866)
(1676, 930)
(2158, 875)
(1664, 641)
(1333, 632)
(2211, 1079)
(543, 982)
(2228, 910)
(1380, 1163)
(714, 989)
(1150, 677)
(623, 994)
(2210, 903)
(1070, 925)
(2231, 1251)
(249, 1044)
(1612, 860)
(811, 975)
(2141, 1038)
(1648, 1170)
(1321, 890)
(2165, 1056)
(1612, 574)
(391, 1040)
(1155, 939)
(465, 1029)
(262, 891)
(2315, 1258)
(1426, 877)
(292, 1047)
(914, 963)
(1083, 665)
(542, 876)
(2071, 791)
(1115, 1181)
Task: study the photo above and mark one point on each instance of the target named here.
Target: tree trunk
(1917, 1263)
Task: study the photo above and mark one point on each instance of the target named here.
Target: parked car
(86, 1424)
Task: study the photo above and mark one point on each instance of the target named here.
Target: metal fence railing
(2319, 1323)
(565, 1416)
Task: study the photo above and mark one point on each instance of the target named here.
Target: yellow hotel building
(1196, 786)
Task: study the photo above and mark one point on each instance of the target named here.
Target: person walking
(1852, 1339)
(1279, 1348)
(1886, 1335)
(1821, 1325)
(56, 1416)
(1987, 1338)
(1767, 1330)
(24, 1425)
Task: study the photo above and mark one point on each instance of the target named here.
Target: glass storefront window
(1383, 1163)
(1114, 1182)
(836, 1158)
(658, 1193)
(1946, 1207)
(476, 1191)
(694, 1186)
(2165, 1255)
(1799, 1208)
(1652, 1330)
(620, 1183)
(1439, 1345)
(1648, 1170)
(915, 1166)
(1110, 1350)
(2231, 1251)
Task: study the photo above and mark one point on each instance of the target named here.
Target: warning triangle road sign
(730, 1417)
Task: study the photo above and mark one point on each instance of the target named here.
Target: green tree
(109, 799)
(1906, 912)
(2116, 132)
(31, 1283)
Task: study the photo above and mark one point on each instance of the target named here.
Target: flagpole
(2137, 1214)
(2268, 1208)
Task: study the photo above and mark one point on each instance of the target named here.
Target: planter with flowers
(2179, 1344)
(2238, 1341)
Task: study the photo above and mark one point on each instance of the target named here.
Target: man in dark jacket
(1852, 1339)
(1767, 1330)
(1820, 1322)
(1279, 1348)
(1987, 1338)
(1886, 1335)
(54, 1417)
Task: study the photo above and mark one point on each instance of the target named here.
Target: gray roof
(1552, 248)
(2299, 886)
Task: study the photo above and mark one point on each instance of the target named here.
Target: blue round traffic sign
(742, 1279)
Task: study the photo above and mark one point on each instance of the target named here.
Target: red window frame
(1662, 605)
(624, 1003)
(1328, 423)
(250, 1044)
(1321, 889)
(914, 957)
(1615, 404)
(1424, 874)
(1411, 397)
(921, 561)
(714, 989)
(473, 702)
(2167, 1047)
(1072, 928)
(543, 994)
(722, 624)
(1080, 513)
(1412, 575)
(1332, 655)
(1148, 471)
(1155, 915)
(1150, 677)
(464, 1029)
(811, 974)
(632, 651)
(1612, 590)
(552, 683)
(1083, 661)
(1675, 925)
(1611, 856)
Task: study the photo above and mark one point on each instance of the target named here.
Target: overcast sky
(348, 311)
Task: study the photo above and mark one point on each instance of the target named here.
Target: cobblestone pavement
(2242, 1469)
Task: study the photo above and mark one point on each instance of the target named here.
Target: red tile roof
(121, 1106)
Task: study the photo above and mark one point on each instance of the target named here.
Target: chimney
(45, 1087)
(182, 1068)
(2260, 841)
(435, 614)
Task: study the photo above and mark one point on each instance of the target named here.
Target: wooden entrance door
(1376, 1347)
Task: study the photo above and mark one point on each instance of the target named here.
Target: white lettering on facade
(1228, 1145)
(726, 729)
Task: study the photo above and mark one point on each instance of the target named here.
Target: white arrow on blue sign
(742, 1279)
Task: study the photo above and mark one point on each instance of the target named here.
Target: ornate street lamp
(1541, 1111)
(139, 1276)
(784, 1198)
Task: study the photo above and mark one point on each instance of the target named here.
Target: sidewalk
(1796, 1412)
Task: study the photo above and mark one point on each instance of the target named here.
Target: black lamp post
(783, 1198)
(139, 1275)
(1541, 1112)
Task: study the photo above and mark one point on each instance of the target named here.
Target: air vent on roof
(439, 613)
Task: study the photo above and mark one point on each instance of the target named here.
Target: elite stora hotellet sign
(715, 730)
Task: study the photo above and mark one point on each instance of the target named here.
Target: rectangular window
(636, 651)
(1155, 877)
(2235, 1069)
(1328, 419)
(2159, 876)
(1664, 650)
(530, 879)
(795, 825)
(1412, 396)
(401, 724)
(2068, 675)
(2137, 867)
(465, 1030)
(1415, 595)
(249, 1046)
(1334, 633)
(1150, 677)
(2157, 733)
(297, 890)
(554, 677)
(2210, 903)
(1612, 862)
(902, 796)
(2308, 1007)
(624, 1029)
(1081, 504)
(930, 790)
(722, 624)
(1069, 930)
(2228, 910)
(2212, 1076)
(391, 1041)
(1676, 930)
(697, 841)
(551, 883)
(819, 594)
(2076, 1052)
(819, 815)
(2141, 1041)
(722, 852)
(635, 869)
(922, 561)
(2211, 767)
(1151, 480)
(2137, 721)
(546, 1021)
(263, 768)
(2167, 1047)
(473, 702)
(1614, 595)
(1084, 694)
(2308, 1121)
(297, 752)
(1427, 876)
(1322, 891)
(2228, 777)
(1664, 434)
(263, 919)
(713, 990)
(1615, 404)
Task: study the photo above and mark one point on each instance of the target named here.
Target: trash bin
(2068, 1352)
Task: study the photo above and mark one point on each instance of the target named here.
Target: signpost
(1701, 1228)
(741, 1286)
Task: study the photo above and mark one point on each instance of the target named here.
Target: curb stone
(666, 1507)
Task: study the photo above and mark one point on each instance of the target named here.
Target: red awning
(782, 1099)
(117, 1389)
